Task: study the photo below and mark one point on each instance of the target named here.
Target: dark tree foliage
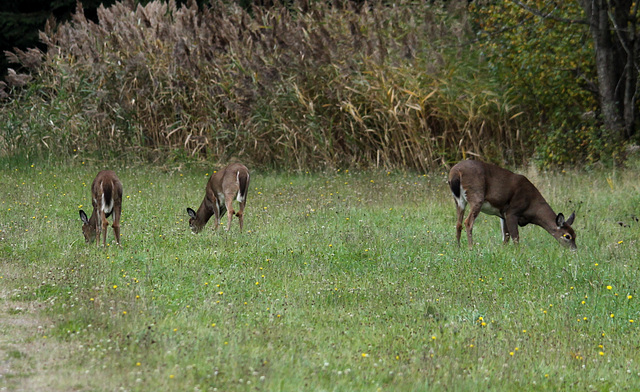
(20, 21)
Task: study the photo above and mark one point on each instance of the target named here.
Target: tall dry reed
(306, 86)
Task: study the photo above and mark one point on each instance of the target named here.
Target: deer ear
(571, 218)
(191, 213)
(83, 217)
(560, 220)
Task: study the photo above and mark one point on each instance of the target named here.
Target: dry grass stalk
(307, 86)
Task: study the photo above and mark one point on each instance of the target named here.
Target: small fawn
(106, 192)
(230, 183)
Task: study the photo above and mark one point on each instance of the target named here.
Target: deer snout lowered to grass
(106, 197)
(230, 183)
(511, 197)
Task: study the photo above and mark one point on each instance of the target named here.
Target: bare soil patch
(29, 359)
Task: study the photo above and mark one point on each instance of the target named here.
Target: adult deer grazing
(511, 197)
(230, 183)
(106, 197)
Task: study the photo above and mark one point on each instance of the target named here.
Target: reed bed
(307, 86)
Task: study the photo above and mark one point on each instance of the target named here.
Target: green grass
(342, 281)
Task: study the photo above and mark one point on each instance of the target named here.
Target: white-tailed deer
(230, 183)
(511, 197)
(106, 197)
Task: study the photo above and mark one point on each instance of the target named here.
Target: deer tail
(243, 181)
(107, 198)
(454, 184)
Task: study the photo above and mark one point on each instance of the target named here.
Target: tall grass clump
(308, 85)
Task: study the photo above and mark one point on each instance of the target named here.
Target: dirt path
(19, 346)
(29, 361)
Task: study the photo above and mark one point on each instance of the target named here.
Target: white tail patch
(107, 207)
(240, 198)
(462, 200)
(103, 205)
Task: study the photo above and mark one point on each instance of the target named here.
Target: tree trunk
(626, 26)
(613, 33)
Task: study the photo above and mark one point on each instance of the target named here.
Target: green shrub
(549, 63)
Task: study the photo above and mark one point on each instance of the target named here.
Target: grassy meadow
(342, 281)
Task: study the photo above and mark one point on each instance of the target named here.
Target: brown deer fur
(230, 183)
(512, 197)
(106, 197)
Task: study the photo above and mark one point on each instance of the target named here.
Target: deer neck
(203, 214)
(93, 219)
(545, 217)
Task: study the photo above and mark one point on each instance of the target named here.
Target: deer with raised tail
(511, 197)
(106, 197)
(230, 183)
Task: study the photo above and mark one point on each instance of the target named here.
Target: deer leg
(97, 228)
(460, 216)
(505, 231)
(240, 214)
(105, 225)
(216, 217)
(473, 214)
(116, 222)
(214, 206)
(512, 227)
(229, 202)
